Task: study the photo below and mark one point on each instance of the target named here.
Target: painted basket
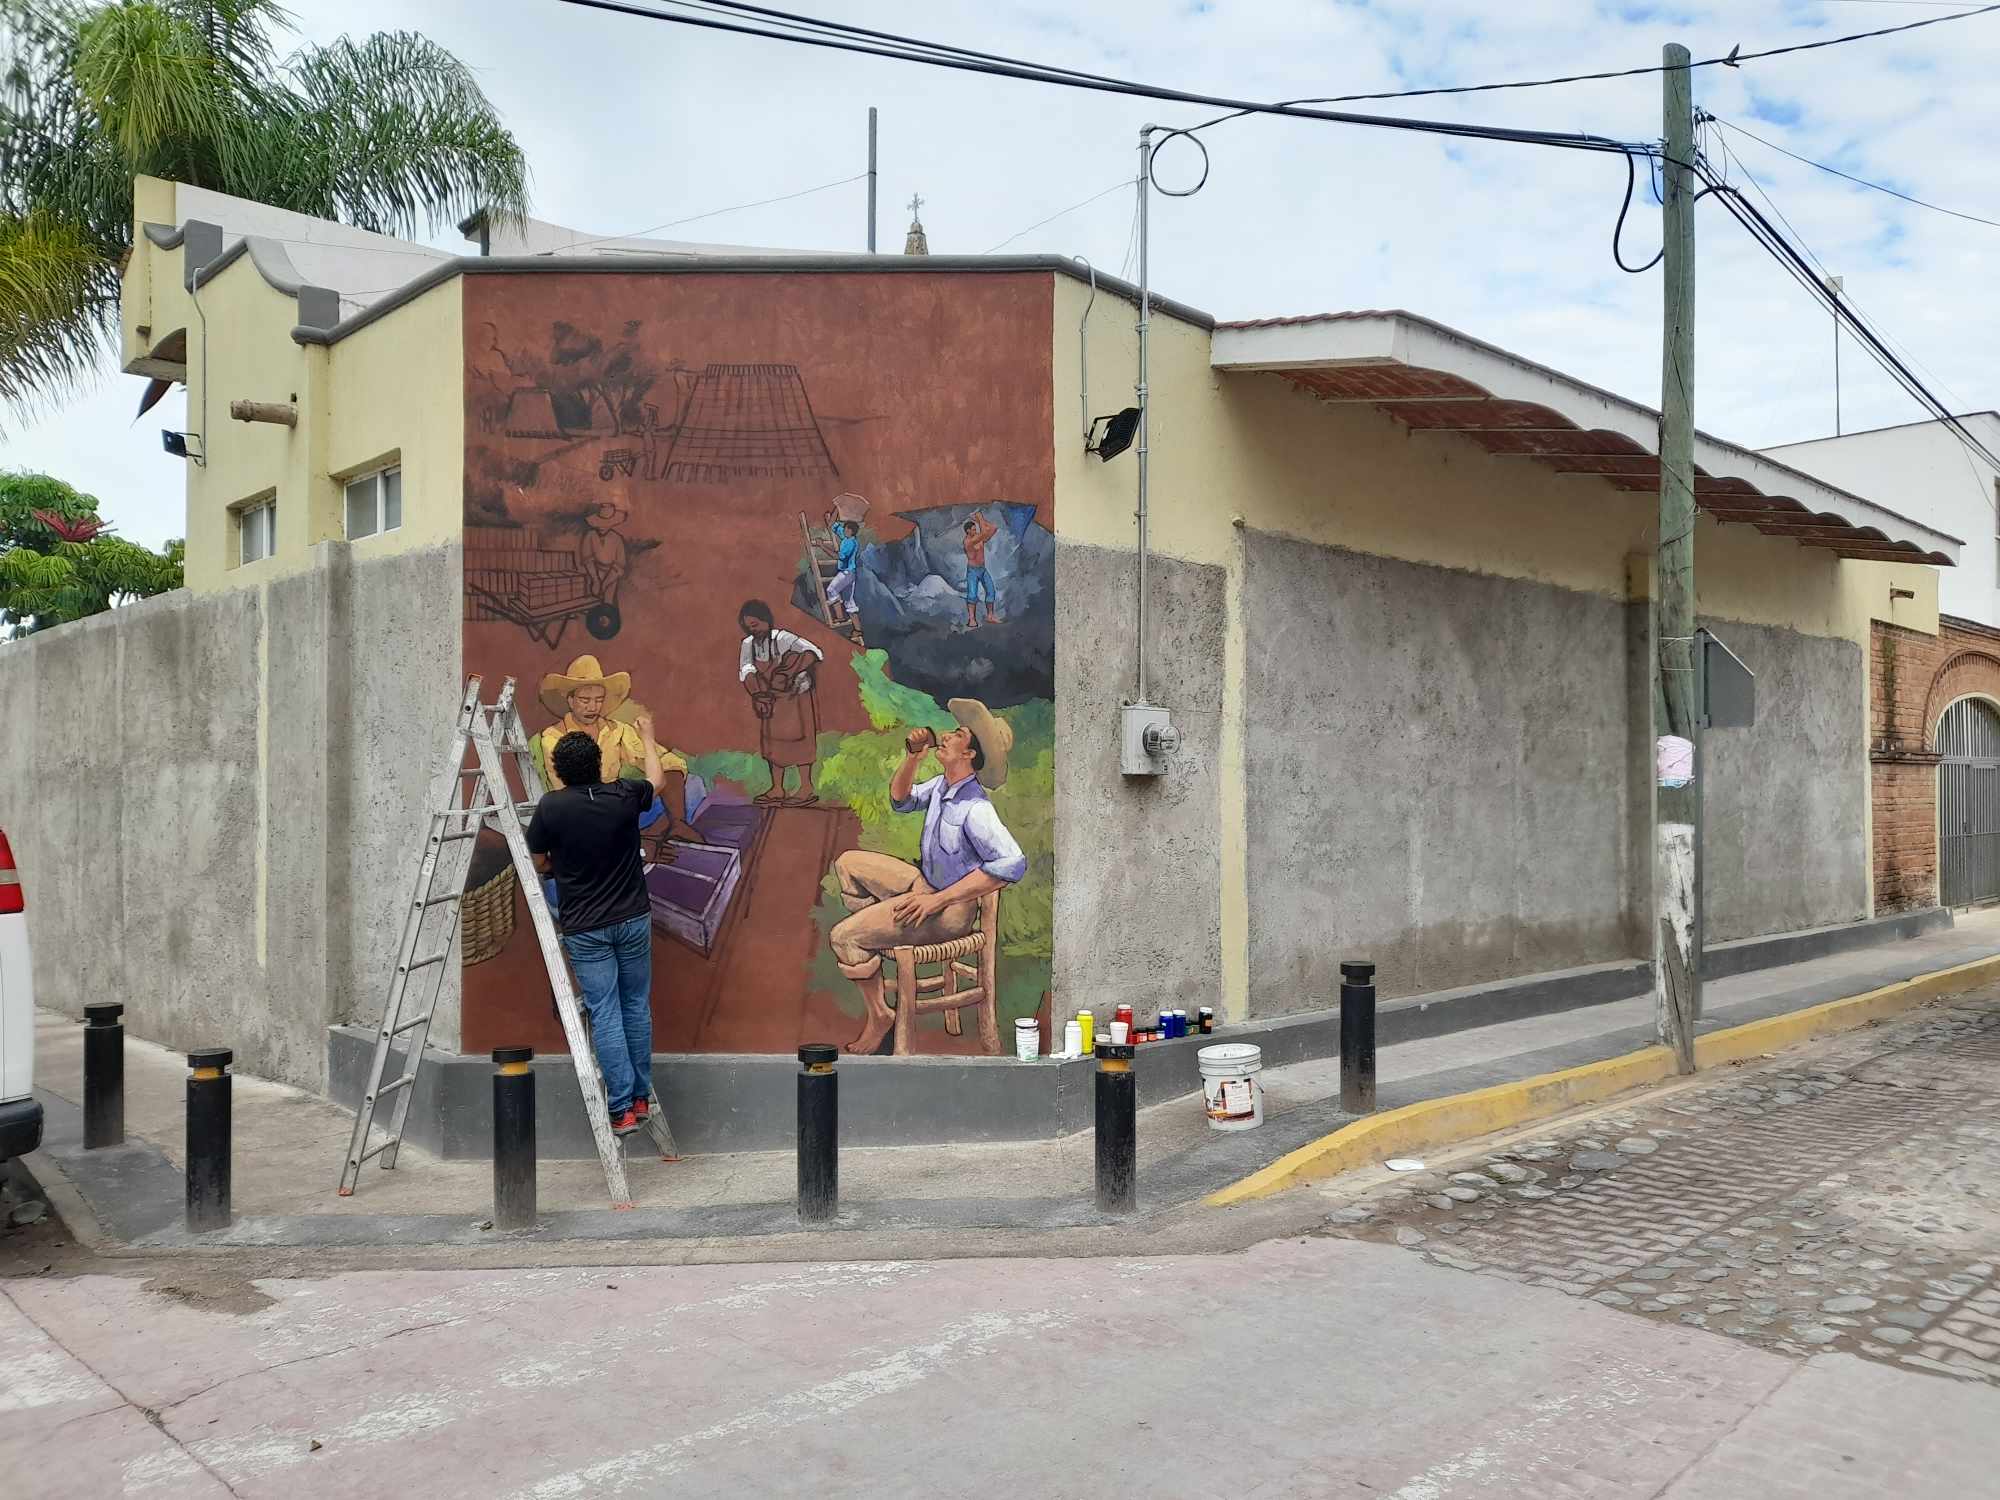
(486, 916)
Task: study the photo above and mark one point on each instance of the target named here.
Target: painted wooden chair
(974, 958)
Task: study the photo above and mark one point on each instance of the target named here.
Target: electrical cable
(1121, 184)
(1735, 57)
(1034, 73)
(711, 214)
(1774, 243)
(1618, 229)
(1850, 177)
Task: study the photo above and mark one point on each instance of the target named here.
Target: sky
(630, 124)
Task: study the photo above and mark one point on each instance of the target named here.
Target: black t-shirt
(591, 835)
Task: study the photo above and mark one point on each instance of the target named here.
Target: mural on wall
(843, 627)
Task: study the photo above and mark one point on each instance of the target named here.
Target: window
(257, 531)
(374, 503)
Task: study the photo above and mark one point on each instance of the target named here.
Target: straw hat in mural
(606, 516)
(996, 738)
(586, 671)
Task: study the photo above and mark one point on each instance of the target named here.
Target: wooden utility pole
(1675, 958)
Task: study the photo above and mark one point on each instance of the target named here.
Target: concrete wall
(214, 799)
(1786, 801)
(1139, 860)
(1438, 774)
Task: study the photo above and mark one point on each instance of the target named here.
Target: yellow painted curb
(1431, 1123)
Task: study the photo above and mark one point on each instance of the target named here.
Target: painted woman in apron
(776, 669)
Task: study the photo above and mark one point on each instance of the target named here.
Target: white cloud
(630, 123)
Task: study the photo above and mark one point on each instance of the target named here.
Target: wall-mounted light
(1112, 435)
(177, 443)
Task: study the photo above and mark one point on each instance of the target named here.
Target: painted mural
(804, 523)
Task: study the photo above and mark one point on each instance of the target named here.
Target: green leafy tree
(56, 565)
(390, 133)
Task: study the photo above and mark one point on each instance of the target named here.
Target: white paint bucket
(1231, 1091)
(1027, 1039)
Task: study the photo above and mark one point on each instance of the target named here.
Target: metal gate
(1968, 738)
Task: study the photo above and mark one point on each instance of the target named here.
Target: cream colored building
(1397, 607)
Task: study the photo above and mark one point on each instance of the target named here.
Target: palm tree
(390, 134)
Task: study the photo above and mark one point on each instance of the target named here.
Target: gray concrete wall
(1785, 800)
(1138, 861)
(192, 858)
(1449, 773)
(1438, 774)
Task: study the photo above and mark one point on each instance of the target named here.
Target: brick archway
(1913, 678)
(1968, 674)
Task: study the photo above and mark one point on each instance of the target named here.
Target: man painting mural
(585, 699)
(966, 853)
(585, 835)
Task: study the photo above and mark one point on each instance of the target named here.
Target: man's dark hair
(577, 760)
(978, 753)
(755, 609)
(971, 526)
(853, 528)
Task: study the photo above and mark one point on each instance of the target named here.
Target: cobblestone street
(1845, 1197)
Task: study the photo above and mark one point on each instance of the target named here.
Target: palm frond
(394, 134)
(147, 75)
(58, 301)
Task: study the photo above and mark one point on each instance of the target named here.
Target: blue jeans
(978, 581)
(614, 966)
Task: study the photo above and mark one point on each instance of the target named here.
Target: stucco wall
(1139, 859)
(188, 839)
(1437, 774)
(1786, 801)
(1446, 776)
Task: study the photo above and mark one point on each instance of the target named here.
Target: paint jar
(1121, 1032)
(1123, 1013)
(1027, 1039)
(1207, 1017)
(1087, 1030)
(1072, 1039)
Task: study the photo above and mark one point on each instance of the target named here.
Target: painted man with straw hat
(586, 700)
(966, 853)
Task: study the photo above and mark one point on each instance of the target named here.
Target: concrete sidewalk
(289, 1145)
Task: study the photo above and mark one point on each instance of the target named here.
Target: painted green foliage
(854, 770)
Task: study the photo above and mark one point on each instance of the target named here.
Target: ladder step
(374, 1151)
(425, 963)
(422, 1020)
(448, 896)
(389, 1088)
(453, 838)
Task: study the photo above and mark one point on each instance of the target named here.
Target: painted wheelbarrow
(543, 604)
(617, 461)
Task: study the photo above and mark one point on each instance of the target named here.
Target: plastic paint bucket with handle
(1231, 1090)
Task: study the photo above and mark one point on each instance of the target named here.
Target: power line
(1850, 177)
(1122, 183)
(711, 214)
(1036, 73)
(1788, 256)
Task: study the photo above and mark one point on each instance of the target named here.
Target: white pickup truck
(20, 1111)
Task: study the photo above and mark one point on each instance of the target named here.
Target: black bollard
(1117, 1129)
(103, 1075)
(819, 1133)
(513, 1138)
(208, 1139)
(1357, 1038)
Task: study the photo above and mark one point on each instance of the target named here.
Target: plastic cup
(1120, 1032)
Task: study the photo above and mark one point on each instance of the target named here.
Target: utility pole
(1676, 959)
(871, 179)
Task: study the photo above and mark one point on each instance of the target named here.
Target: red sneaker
(641, 1108)
(624, 1124)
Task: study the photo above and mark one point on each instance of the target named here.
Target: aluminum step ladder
(464, 800)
